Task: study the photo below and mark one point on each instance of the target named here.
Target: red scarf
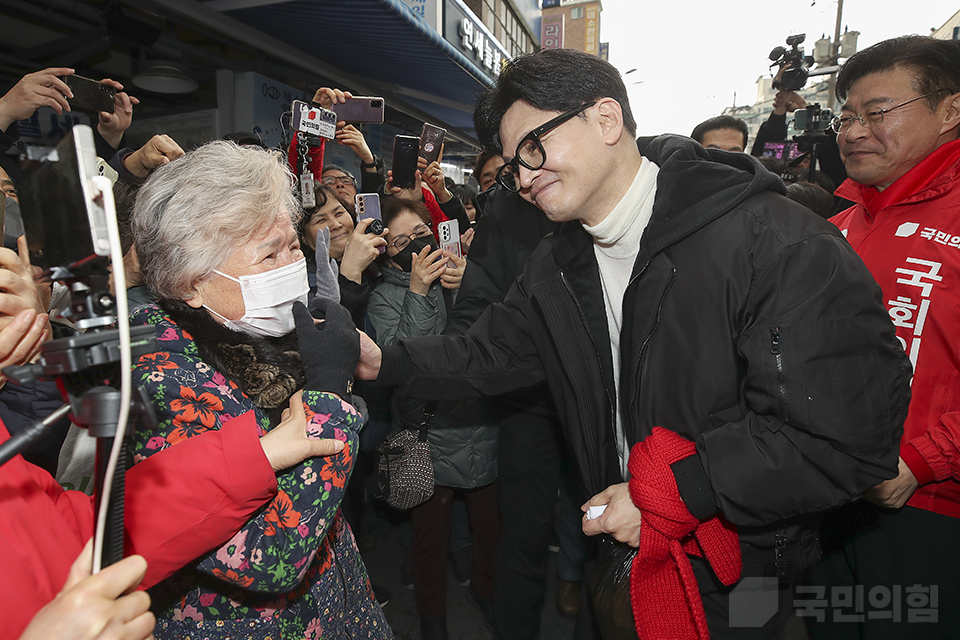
(665, 596)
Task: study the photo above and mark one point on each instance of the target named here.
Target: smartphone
(430, 142)
(314, 120)
(90, 95)
(65, 204)
(368, 206)
(405, 154)
(449, 233)
(360, 109)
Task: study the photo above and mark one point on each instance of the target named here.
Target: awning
(382, 41)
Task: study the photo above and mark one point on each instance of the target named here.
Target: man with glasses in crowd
(898, 133)
(719, 358)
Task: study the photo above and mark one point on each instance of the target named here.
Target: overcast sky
(692, 55)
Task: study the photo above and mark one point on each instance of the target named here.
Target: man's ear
(610, 115)
(952, 118)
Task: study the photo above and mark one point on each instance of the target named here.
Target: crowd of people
(655, 349)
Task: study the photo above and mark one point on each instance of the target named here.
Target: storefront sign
(551, 34)
(593, 32)
(468, 35)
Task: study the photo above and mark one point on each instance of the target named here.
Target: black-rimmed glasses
(841, 124)
(530, 151)
(420, 231)
(333, 180)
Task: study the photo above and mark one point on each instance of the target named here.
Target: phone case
(360, 109)
(449, 233)
(90, 95)
(314, 120)
(430, 142)
(405, 154)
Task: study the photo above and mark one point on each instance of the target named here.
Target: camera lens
(376, 104)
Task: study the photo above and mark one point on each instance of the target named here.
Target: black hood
(696, 186)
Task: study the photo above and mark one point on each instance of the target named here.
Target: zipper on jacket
(610, 406)
(643, 347)
(780, 563)
(781, 378)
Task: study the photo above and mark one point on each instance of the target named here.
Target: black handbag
(405, 473)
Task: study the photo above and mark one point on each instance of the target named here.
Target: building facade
(571, 24)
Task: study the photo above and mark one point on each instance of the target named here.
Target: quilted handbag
(405, 477)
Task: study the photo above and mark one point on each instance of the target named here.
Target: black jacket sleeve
(826, 389)
(454, 210)
(507, 233)
(373, 181)
(773, 130)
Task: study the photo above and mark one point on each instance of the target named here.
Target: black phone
(90, 95)
(65, 203)
(405, 153)
(430, 142)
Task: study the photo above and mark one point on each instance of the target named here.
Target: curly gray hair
(192, 212)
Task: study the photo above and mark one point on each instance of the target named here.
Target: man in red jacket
(896, 569)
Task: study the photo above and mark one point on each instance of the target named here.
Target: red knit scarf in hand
(665, 596)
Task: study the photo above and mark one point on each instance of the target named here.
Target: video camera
(794, 66)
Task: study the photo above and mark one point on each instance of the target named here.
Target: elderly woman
(215, 237)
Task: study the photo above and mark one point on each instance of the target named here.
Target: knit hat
(665, 595)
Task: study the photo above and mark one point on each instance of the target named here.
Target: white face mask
(268, 300)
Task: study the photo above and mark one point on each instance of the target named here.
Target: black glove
(329, 350)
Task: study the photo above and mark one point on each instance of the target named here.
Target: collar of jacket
(931, 177)
(694, 187)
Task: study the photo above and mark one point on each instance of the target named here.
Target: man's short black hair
(720, 122)
(935, 64)
(552, 80)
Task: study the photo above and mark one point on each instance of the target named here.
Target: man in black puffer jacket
(682, 291)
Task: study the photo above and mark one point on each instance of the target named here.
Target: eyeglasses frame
(410, 237)
(534, 136)
(836, 123)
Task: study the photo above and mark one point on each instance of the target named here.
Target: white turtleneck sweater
(616, 243)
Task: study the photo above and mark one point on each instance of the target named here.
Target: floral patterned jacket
(293, 571)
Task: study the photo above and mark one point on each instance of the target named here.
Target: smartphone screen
(90, 95)
(59, 210)
(405, 156)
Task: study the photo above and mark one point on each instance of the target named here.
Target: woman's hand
(289, 443)
(329, 349)
(361, 250)
(112, 125)
(349, 136)
(433, 176)
(327, 97)
(427, 267)
(466, 239)
(405, 194)
(101, 606)
(451, 277)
